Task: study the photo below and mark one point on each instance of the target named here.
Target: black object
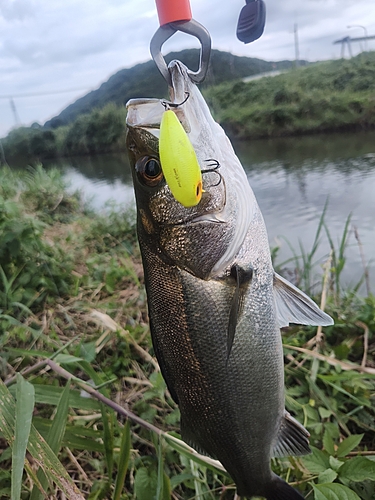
(251, 22)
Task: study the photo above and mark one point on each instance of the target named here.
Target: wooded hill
(324, 97)
(144, 80)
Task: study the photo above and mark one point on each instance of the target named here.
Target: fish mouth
(213, 216)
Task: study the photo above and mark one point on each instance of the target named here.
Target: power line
(34, 94)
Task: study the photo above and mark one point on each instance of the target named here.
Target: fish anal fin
(292, 439)
(294, 306)
(189, 437)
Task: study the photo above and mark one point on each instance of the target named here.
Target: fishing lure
(178, 160)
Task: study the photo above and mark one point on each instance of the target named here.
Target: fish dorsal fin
(294, 306)
(292, 439)
(242, 277)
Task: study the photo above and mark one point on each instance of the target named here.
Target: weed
(84, 394)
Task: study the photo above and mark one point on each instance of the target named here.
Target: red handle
(171, 11)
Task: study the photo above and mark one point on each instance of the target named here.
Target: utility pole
(15, 114)
(365, 32)
(296, 44)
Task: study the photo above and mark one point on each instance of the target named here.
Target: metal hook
(191, 27)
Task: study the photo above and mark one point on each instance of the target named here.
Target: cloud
(48, 45)
(17, 10)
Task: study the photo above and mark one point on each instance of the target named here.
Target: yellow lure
(179, 161)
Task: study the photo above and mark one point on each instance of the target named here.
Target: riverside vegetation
(327, 96)
(82, 394)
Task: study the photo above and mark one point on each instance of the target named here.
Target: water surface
(292, 178)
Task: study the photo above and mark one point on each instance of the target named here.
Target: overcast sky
(50, 46)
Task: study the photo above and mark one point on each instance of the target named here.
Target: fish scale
(215, 303)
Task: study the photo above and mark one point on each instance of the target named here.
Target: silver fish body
(215, 302)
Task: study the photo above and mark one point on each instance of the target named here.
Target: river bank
(323, 97)
(72, 302)
(292, 179)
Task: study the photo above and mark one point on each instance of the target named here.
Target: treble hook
(215, 166)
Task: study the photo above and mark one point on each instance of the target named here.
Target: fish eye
(149, 170)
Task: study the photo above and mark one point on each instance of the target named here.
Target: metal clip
(191, 27)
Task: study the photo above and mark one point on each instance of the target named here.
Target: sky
(55, 51)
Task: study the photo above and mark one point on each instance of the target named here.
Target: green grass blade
(55, 437)
(107, 419)
(183, 449)
(160, 486)
(50, 395)
(76, 437)
(318, 231)
(164, 483)
(35, 479)
(23, 417)
(37, 447)
(123, 460)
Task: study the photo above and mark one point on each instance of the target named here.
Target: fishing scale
(177, 156)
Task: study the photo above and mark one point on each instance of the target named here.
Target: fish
(215, 303)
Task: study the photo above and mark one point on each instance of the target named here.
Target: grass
(102, 130)
(327, 96)
(81, 390)
(336, 95)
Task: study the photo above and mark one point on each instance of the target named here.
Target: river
(293, 179)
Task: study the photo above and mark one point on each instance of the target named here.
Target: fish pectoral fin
(292, 439)
(242, 277)
(294, 306)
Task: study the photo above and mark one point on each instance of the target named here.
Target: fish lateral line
(242, 277)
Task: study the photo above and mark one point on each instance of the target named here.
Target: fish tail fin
(280, 490)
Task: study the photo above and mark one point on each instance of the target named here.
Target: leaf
(333, 491)
(88, 351)
(324, 413)
(183, 449)
(358, 469)
(37, 447)
(75, 437)
(22, 425)
(160, 486)
(327, 476)
(54, 438)
(107, 419)
(57, 430)
(317, 462)
(349, 444)
(334, 463)
(163, 491)
(50, 395)
(66, 359)
(145, 484)
(181, 478)
(123, 461)
(365, 490)
(328, 443)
